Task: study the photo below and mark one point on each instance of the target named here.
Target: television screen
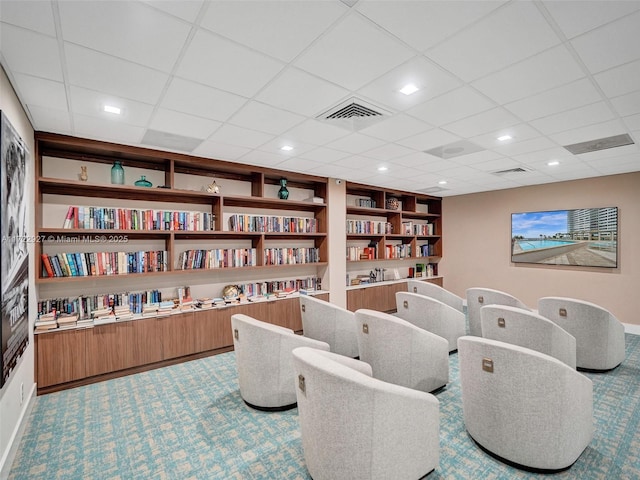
(586, 237)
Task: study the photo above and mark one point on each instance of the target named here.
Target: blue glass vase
(117, 173)
(283, 193)
(143, 182)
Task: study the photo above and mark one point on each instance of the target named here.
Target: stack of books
(46, 322)
(67, 320)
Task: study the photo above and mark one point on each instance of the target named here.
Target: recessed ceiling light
(409, 89)
(504, 138)
(553, 163)
(112, 109)
(442, 182)
(286, 148)
(383, 169)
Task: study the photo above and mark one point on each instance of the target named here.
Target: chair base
(518, 465)
(424, 476)
(597, 370)
(271, 409)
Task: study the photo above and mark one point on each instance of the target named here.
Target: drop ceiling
(238, 80)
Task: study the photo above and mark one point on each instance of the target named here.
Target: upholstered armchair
(402, 353)
(356, 427)
(432, 315)
(329, 323)
(432, 290)
(263, 358)
(600, 342)
(479, 297)
(522, 406)
(528, 329)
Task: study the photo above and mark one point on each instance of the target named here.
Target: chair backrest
(524, 406)
(384, 430)
(329, 323)
(402, 353)
(600, 341)
(429, 289)
(263, 358)
(528, 329)
(479, 297)
(432, 315)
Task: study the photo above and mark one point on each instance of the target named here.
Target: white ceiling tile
(460, 173)
(355, 143)
(503, 163)
(590, 132)
(518, 133)
(182, 124)
(316, 132)
(627, 161)
(324, 155)
(428, 140)
(412, 160)
(145, 35)
(30, 53)
(238, 136)
(451, 106)
(577, 17)
(611, 45)
(220, 150)
(616, 169)
(542, 157)
(299, 164)
(572, 95)
(42, 92)
(435, 164)
(301, 92)
(339, 171)
(185, 9)
(477, 157)
(576, 118)
(275, 146)
(632, 121)
(280, 29)
(625, 150)
(258, 116)
(196, 99)
(423, 24)
(34, 15)
(490, 121)
(428, 77)
(583, 171)
(509, 34)
(220, 63)
(358, 162)
(353, 53)
(262, 158)
(113, 75)
(542, 72)
(619, 80)
(92, 103)
(388, 152)
(526, 146)
(50, 120)
(627, 104)
(397, 127)
(109, 130)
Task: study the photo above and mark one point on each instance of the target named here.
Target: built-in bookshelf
(393, 231)
(93, 237)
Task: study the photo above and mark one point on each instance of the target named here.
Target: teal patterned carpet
(188, 422)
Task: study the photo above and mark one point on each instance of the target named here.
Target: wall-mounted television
(585, 237)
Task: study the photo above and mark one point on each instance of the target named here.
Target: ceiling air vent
(512, 171)
(354, 114)
(600, 144)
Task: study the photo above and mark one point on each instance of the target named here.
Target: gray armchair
(356, 427)
(432, 290)
(479, 297)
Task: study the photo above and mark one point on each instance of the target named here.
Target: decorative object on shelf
(283, 193)
(143, 182)
(230, 293)
(213, 187)
(83, 173)
(393, 203)
(117, 173)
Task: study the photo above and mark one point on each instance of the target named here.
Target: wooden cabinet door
(178, 335)
(212, 329)
(145, 342)
(60, 357)
(108, 348)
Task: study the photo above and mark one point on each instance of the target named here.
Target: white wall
(12, 410)
(477, 248)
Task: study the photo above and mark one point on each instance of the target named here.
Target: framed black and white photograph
(15, 259)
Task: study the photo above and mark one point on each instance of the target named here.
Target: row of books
(425, 250)
(367, 202)
(272, 223)
(84, 264)
(280, 287)
(397, 251)
(368, 226)
(291, 256)
(410, 228)
(361, 253)
(218, 258)
(106, 218)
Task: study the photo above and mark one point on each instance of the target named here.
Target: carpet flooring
(188, 421)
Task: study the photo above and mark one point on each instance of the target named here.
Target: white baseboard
(634, 329)
(7, 460)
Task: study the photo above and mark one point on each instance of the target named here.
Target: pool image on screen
(586, 237)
